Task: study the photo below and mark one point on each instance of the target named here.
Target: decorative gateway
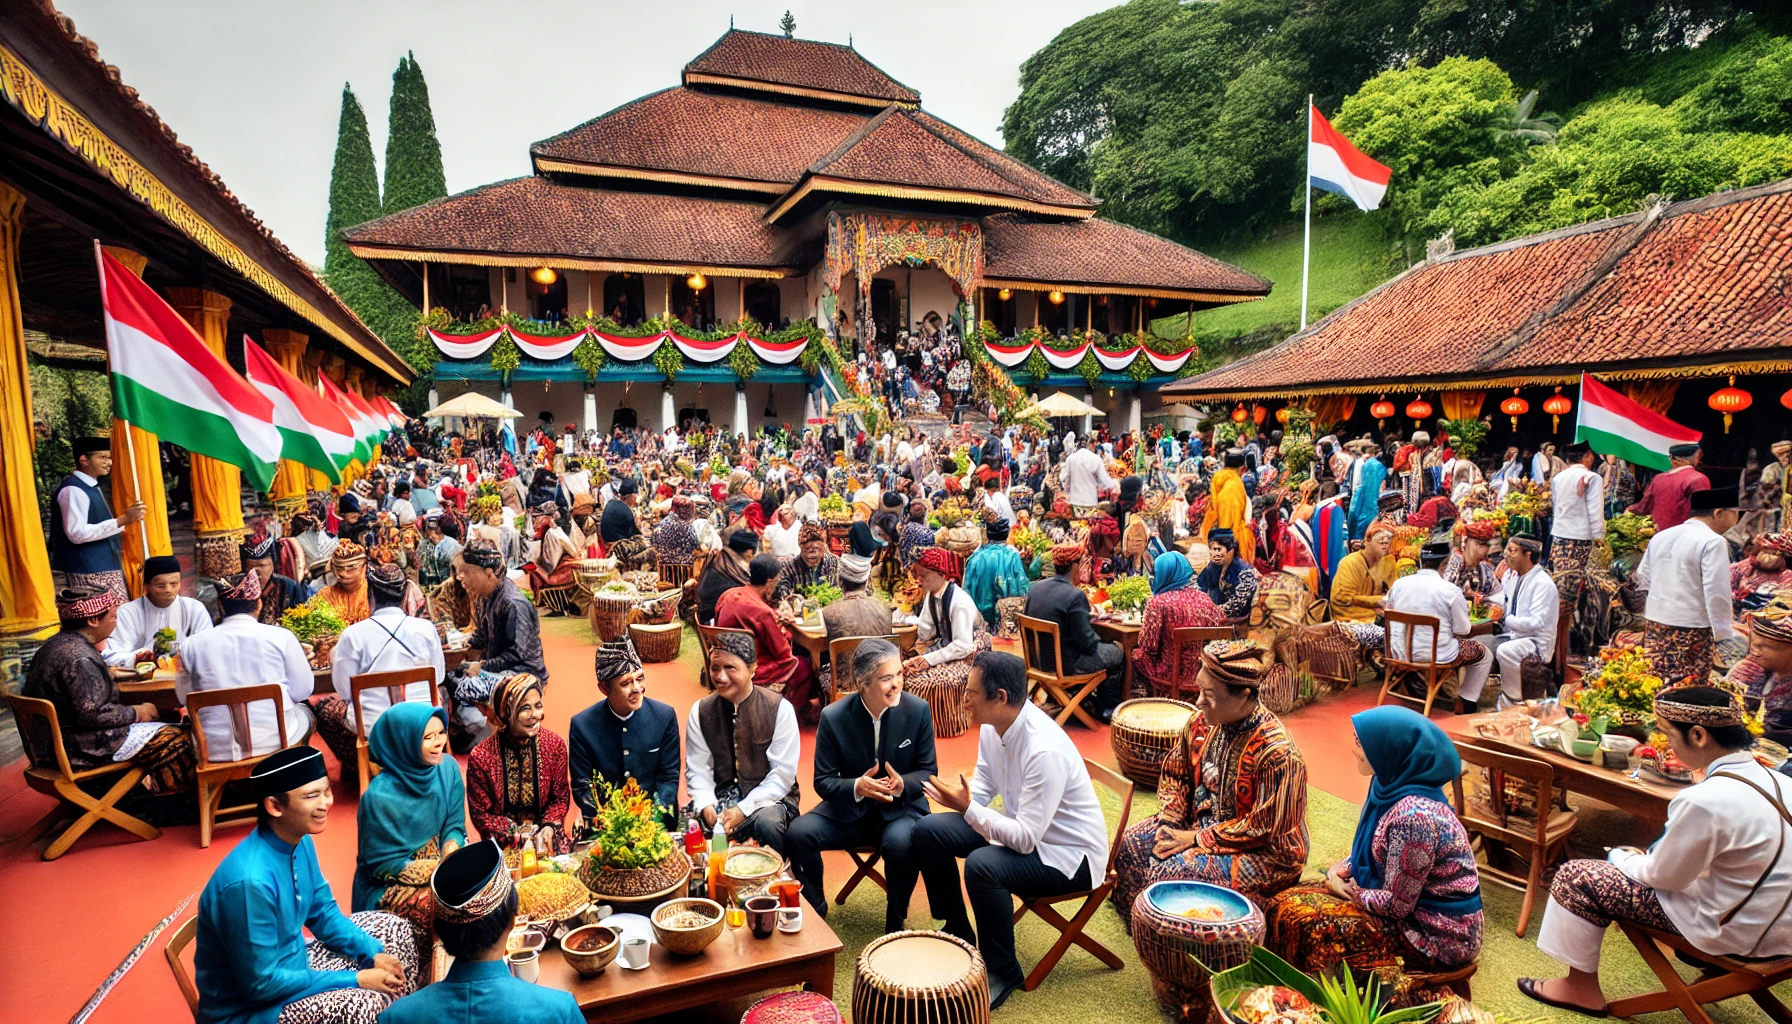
(865, 243)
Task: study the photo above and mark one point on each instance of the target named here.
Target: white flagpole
(130, 445)
(1306, 189)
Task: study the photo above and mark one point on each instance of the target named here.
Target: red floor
(69, 923)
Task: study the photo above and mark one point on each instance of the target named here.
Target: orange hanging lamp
(1239, 415)
(1383, 411)
(1515, 407)
(1282, 415)
(1557, 405)
(1730, 401)
(1786, 399)
(1259, 414)
(1418, 409)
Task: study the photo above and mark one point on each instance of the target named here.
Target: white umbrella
(1173, 412)
(474, 405)
(1060, 404)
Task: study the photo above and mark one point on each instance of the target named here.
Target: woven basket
(647, 581)
(1173, 947)
(1144, 732)
(793, 1008)
(610, 614)
(656, 644)
(1280, 692)
(920, 978)
(636, 883)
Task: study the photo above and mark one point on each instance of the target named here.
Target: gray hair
(870, 654)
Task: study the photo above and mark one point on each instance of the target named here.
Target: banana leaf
(1339, 998)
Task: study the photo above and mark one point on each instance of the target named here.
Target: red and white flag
(1335, 165)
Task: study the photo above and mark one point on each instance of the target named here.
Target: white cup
(634, 953)
(525, 965)
(790, 919)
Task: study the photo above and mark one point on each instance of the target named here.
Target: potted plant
(632, 857)
(1619, 690)
(1267, 988)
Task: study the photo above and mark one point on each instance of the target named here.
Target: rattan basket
(610, 613)
(1143, 733)
(657, 643)
(920, 978)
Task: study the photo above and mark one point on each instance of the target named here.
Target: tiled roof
(538, 217)
(724, 135)
(1017, 247)
(798, 64)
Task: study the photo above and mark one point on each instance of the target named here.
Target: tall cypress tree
(414, 172)
(355, 199)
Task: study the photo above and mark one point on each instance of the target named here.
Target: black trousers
(813, 833)
(993, 875)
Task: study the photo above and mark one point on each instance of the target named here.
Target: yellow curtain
(217, 486)
(1330, 410)
(288, 349)
(27, 599)
(1463, 405)
(137, 475)
(1654, 395)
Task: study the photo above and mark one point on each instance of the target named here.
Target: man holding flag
(84, 535)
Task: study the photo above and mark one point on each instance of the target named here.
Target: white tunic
(140, 621)
(1686, 571)
(1427, 593)
(1577, 515)
(1049, 804)
(386, 641)
(243, 652)
(1533, 606)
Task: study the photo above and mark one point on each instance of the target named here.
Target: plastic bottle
(693, 839)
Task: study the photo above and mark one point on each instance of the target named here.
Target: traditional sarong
(943, 686)
(1568, 563)
(355, 1005)
(111, 579)
(1314, 930)
(1679, 654)
(408, 895)
(168, 759)
(633, 552)
(1468, 652)
(333, 725)
(1598, 893)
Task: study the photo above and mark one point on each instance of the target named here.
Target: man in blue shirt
(251, 961)
(475, 903)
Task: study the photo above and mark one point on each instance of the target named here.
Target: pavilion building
(786, 181)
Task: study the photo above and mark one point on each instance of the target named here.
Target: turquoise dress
(484, 991)
(411, 809)
(994, 571)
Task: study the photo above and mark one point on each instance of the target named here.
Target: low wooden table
(813, 638)
(157, 690)
(736, 964)
(1644, 797)
(1126, 634)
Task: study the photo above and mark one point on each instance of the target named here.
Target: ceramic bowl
(604, 942)
(691, 940)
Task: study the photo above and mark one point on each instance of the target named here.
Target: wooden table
(1126, 634)
(159, 689)
(735, 964)
(813, 638)
(1644, 797)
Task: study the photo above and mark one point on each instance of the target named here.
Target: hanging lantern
(1239, 415)
(1259, 414)
(1557, 405)
(1418, 409)
(1515, 407)
(1786, 399)
(1282, 415)
(1056, 297)
(1005, 294)
(696, 282)
(1729, 401)
(543, 275)
(1383, 411)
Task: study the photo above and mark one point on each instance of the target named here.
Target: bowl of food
(688, 925)
(590, 949)
(146, 670)
(551, 896)
(747, 871)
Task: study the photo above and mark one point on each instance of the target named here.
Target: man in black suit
(627, 735)
(872, 752)
(1058, 599)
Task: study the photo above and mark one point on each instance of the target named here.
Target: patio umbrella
(474, 405)
(1060, 404)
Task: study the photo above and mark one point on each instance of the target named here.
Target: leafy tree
(1520, 122)
(355, 199)
(788, 25)
(414, 173)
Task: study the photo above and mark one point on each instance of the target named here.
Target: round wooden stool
(793, 1008)
(918, 978)
(1144, 732)
(1166, 937)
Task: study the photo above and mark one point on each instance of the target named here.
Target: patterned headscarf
(1378, 526)
(946, 563)
(484, 554)
(740, 645)
(86, 603)
(509, 695)
(242, 587)
(347, 555)
(387, 579)
(471, 883)
(1068, 554)
(811, 531)
(1681, 713)
(258, 546)
(617, 658)
(1781, 542)
(1241, 663)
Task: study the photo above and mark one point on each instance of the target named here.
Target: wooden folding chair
(1181, 639)
(1725, 977)
(1071, 930)
(1398, 670)
(49, 772)
(674, 575)
(177, 944)
(1038, 637)
(1538, 842)
(395, 684)
(213, 776)
(840, 652)
(907, 634)
(864, 860)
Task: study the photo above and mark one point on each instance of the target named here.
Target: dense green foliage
(355, 199)
(414, 172)
(65, 404)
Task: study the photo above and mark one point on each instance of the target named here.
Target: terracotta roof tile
(707, 133)
(799, 63)
(1017, 247)
(537, 216)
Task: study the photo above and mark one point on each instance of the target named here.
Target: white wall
(932, 292)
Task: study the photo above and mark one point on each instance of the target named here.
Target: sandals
(1528, 986)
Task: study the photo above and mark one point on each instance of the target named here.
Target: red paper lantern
(1384, 410)
(1418, 409)
(1258, 414)
(1239, 415)
(1729, 401)
(1786, 399)
(1557, 405)
(1515, 407)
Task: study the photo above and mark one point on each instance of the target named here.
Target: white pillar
(1135, 413)
(808, 408)
(504, 397)
(668, 408)
(590, 409)
(1088, 421)
(433, 400)
(741, 426)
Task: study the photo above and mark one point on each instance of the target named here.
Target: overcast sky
(254, 87)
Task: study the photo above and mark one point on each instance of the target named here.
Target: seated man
(243, 651)
(1716, 876)
(627, 735)
(873, 750)
(279, 594)
(1527, 607)
(507, 632)
(552, 555)
(1233, 792)
(98, 727)
(858, 612)
(347, 596)
(725, 570)
(621, 531)
(782, 669)
(813, 563)
(475, 904)
(1765, 675)
(949, 630)
(1426, 592)
(251, 961)
(386, 641)
(1049, 838)
(1228, 581)
(161, 607)
(1058, 599)
(741, 750)
(675, 540)
(1360, 586)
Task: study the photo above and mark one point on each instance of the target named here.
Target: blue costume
(484, 991)
(994, 571)
(409, 807)
(645, 748)
(1365, 498)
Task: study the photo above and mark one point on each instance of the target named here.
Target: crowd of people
(960, 535)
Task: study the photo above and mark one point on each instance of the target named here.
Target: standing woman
(517, 786)
(1175, 603)
(1409, 891)
(412, 815)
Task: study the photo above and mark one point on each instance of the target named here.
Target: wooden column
(217, 486)
(292, 479)
(142, 480)
(27, 598)
(307, 372)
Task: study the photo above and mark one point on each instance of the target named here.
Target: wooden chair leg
(1069, 931)
(862, 870)
(57, 815)
(1674, 991)
(1533, 882)
(97, 810)
(1073, 705)
(211, 797)
(361, 770)
(1770, 1004)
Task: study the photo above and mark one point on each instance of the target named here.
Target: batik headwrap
(811, 531)
(85, 603)
(242, 587)
(1671, 710)
(740, 645)
(509, 695)
(946, 563)
(347, 555)
(484, 554)
(1105, 527)
(1479, 529)
(1237, 662)
(617, 658)
(1067, 554)
(387, 580)
(257, 547)
(471, 883)
(1378, 526)
(1781, 542)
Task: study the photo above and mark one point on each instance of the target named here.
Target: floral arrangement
(1404, 550)
(627, 832)
(309, 622)
(1268, 990)
(1522, 501)
(1031, 541)
(950, 513)
(833, 508)
(1620, 688)
(1628, 532)
(1129, 593)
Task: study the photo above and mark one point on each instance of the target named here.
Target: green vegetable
(1628, 531)
(312, 621)
(822, 594)
(1129, 593)
(164, 641)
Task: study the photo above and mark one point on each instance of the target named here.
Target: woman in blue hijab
(1409, 889)
(1175, 602)
(412, 815)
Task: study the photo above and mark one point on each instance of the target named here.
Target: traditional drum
(1144, 730)
(1176, 924)
(610, 612)
(657, 643)
(793, 1008)
(945, 698)
(921, 978)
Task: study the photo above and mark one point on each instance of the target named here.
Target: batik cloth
(517, 788)
(1154, 657)
(633, 552)
(165, 754)
(355, 1005)
(331, 713)
(1568, 564)
(1679, 654)
(407, 895)
(111, 579)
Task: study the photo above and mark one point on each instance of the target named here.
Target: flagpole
(1306, 190)
(130, 445)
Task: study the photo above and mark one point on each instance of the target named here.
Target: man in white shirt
(1686, 573)
(387, 640)
(401, 508)
(997, 499)
(782, 536)
(243, 652)
(1085, 477)
(1050, 837)
(1527, 606)
(949, 629)
(1716, 876)
(741, 749)
(1427, 593)
(85, 547)
(1577, 514)
(161, 607)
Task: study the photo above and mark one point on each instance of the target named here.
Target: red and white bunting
(1066, 360)
(706, 351)
(1114, 362)
(465, 346)
(1170, 364)
(1118, 361)
(629, 350)
(1010, 355)
(545, 348)
(776, 353)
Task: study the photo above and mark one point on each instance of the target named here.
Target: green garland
(1090, 367)
(505, 355)
(744, 361)
(668, 360)
(1140, 369)
(1036, 367)
(590, 357)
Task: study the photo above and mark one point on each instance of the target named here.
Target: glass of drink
(737, 915)
(788, 891)
(762, 915)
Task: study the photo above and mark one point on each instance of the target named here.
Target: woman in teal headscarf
(1365, 494)
(1175, 602)
(412, 815)
(1409, 889)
